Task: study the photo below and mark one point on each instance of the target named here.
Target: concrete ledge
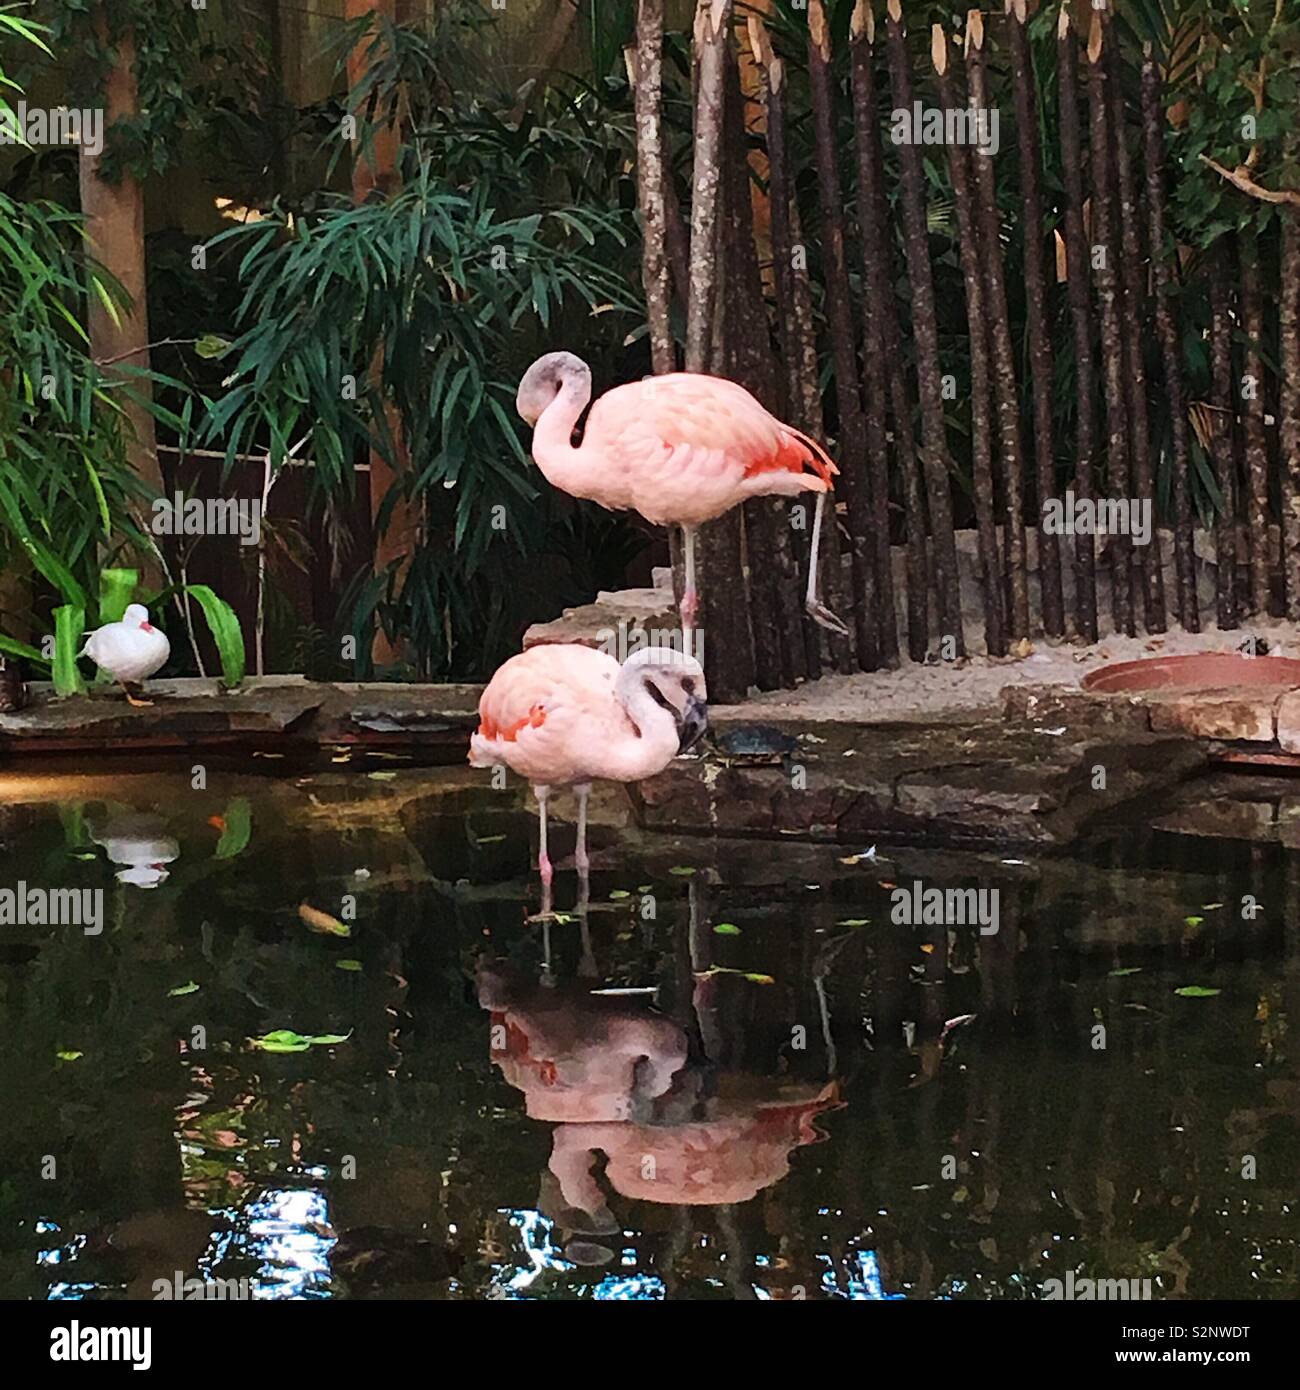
(273, 711)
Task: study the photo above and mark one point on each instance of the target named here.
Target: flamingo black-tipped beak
(695, 721)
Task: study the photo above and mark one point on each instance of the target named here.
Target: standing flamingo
(563, 715)
(681, 449)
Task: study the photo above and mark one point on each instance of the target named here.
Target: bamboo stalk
(936, 461)
(794, 312)
(883, 360)
(972, 252)
(771, 574)
(1105, 250)
(1005, 393)
(1153, 119)
(712, 22)
(729, 665)
(1223, 437)
(1289, 408)
(852, 481)
(1149, 560)
(647, 100)
(1076, 251)
(1256, 441)
(1037, 340)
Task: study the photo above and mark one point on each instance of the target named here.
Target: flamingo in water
(562, 715)
(681, 449)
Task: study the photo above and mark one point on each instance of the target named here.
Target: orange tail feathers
(802, 451)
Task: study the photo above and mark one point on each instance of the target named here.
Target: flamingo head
(547, 379)
(675, 682)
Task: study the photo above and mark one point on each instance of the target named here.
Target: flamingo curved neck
(562, 465)
(631, 759)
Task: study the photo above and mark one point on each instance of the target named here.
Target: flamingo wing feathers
(707, 414)
(542, 709)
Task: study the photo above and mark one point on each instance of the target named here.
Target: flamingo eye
(688, 684)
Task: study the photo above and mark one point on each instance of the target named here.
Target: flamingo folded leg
(817, 610)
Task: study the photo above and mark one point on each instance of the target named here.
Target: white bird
(139, 841)
(130, 651)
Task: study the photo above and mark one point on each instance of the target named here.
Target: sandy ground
(917, 693)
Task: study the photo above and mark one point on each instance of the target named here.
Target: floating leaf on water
(854, 922)
(69, 1056)
(681, 870)
(382, 776)
(643, 888)
(928, 947)
(726, 929)
(1210, 907)
(316, 920)
(756, 979)
(236, 827)
(489, 839)
(1193, 921)
(347, 965)
(1196, 992)
(78, 854)
(1127, 970)
(286, 1040)
(618, 893)
(189, 987)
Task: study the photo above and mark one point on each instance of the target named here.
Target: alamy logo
(625, 641)
(77, 1343)
(33, 126)
(919, 906)
(954, 125)
(1098, 516)
(1099, 1290)
(208, 516)
(178, 1287)
(24, 906)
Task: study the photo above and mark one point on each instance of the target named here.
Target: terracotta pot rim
(1220, 671)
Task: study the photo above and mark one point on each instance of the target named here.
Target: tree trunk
(1149, 560)
(771, 577)
(1290, 409)
(852, 481)
(712, 24)
(1253, 408)
(875, 289)
(1223, 435)
(1105, 251)
(972, 253)
(1153, 118)
(114, 214)
(1037, 340)
(1077, 272)
(926, 332)
(395, 543)
(650, 181)
(724, 606)
(794, 313)
(1003, 364)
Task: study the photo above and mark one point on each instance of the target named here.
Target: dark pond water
(778, 1092)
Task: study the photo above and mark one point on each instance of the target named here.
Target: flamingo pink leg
(543, 859)
(580, 860)
(690, 606)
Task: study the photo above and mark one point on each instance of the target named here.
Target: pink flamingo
(563, 715)
(681, 449)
